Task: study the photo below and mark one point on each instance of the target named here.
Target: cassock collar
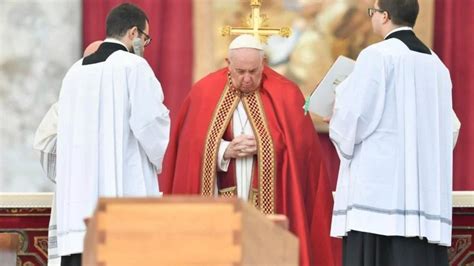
(112, 40)
(104, 51)
(408, 37)
(398, 29)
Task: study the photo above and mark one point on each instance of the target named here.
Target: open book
(321, 101)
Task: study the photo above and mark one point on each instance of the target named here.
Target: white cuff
(222, 164)
(456, 127)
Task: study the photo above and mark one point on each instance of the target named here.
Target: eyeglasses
(147, 37)
(371, 11)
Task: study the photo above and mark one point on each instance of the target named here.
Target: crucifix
(256, 25)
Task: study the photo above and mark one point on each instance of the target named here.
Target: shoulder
(442, 66)
(378, 55)
(275, 82)
(73, 70)
(386, 48)
(128, 60)
(283, 91)
(205, 93)
(216, 76)
(377, 49)
(213, 81)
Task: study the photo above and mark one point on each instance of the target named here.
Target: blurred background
(41, 39)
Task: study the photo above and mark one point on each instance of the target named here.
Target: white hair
(230, 53)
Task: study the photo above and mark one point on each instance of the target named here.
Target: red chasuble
(289, 176)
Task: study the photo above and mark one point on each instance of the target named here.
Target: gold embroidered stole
(265, 149)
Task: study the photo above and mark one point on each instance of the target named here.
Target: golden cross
(256, 25)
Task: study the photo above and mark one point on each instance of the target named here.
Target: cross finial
(256, 25)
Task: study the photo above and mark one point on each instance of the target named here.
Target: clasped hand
(241, 146)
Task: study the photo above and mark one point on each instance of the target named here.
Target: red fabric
(302, 189)
(172, 45)
(330, 158)
(454, 43)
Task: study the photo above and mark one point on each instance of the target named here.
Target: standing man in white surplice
(113, 128)
(393, 129)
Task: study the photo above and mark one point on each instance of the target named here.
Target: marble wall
(39, 41)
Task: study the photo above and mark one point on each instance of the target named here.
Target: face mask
(137, 45)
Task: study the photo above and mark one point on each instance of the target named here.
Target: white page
(322, 99)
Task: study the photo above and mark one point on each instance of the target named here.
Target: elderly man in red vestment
(242, 132)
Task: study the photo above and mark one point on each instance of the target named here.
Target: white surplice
(45, 142)
(393, 129)
(113, 130)
(243, 166)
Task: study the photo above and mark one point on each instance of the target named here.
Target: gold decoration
(460, 244)
(285, 32)
(41, 244)
(221, 117)
(228, 192)
(264, 199)
(256, 25)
